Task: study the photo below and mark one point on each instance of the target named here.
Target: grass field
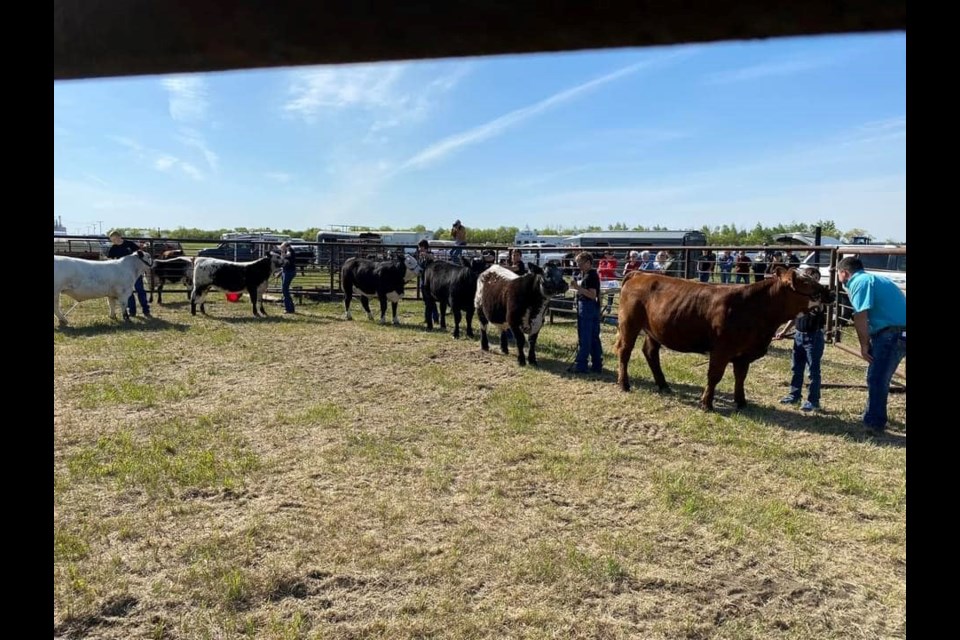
(308, 477)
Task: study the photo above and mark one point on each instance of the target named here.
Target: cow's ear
(533, 267)
(786, 275)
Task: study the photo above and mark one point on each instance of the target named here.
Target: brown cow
(733, 323)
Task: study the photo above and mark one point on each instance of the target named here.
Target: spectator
(647, 261)
(808, 343)
(119, 249)
(759, 266)
(459, 234)
(880, 319)
(791, 260)
(633, 263)
(743, 267)
(705, 265)
(725, 266)
(515, 262)
(663, 261)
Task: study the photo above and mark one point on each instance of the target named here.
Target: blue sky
(774, 131)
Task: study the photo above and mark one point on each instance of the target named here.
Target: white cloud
(191, 171)
(770, 69)
(164, 162)
(187, 98)
(195, 140)
(279, 176)
(498, 126)
(390, 94)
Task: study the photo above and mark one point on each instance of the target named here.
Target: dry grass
(307, 477)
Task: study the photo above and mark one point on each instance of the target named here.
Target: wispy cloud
(389, 94)
(279, 176)
(160, 161)
(498, 126)
(878, 131)
(187, 98)
(786, 67)
(195, 140)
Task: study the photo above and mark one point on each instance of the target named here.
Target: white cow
(89, 279)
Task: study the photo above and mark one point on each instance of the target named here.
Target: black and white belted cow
(89, 279)
(519, 302)
(251, 277)
(384, 280)
(173, 270)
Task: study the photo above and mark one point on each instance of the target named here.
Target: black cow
(251, 277)
(451, 285)
(173, 270)
(505, 299)
(383, 280)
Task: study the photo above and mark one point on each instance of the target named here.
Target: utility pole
(100, 222)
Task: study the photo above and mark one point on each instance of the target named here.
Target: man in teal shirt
(880, 318)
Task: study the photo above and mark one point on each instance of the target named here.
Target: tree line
(722, 235)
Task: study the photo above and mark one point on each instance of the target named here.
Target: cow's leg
(393, 312)
(718, 365)
(159, 293)
(484, 342)
(382, 299)
(532, 351)
(199, 296)
(261, 290)
(126, 294)
(429, 305)
(57, 311)
(457, 316)
(443, 315)
(740, 369)
(651, 351)
(347, 297)
(252, 292)
(521, 344)
(469, 313)
(365, 303)
(626, 340)
(504, 340)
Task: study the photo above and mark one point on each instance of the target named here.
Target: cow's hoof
(522, 363)
(347, 316)
(456, 336)
(396, 322)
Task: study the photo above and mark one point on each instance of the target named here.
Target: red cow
(733, 323)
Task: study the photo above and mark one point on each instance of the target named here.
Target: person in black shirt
(289, 271)
(515, 263)
(808, 343)
(705, 265)
(119, 249)
(588, 316)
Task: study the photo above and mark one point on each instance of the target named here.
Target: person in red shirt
(607, 267)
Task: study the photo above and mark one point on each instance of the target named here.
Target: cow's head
(476, 265)
(414, 268)
(806, 282)
(551, 279)
(145, 258)
(276, 262)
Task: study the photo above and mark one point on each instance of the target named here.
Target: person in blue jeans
(588, 316)
(880, 318)
(808, 343)
(119, 249)
(289, 271)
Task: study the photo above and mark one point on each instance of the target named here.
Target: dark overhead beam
(95, 38)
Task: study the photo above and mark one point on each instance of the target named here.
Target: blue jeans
(725, 277)
(141, 296)
(286, 279)
(704, 276)
(588, 336)
(807, 352)
(743, 278)
(457, 251)
(887, 350)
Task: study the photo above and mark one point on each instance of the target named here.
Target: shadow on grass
(137, 323)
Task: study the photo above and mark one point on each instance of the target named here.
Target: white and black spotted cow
(519, 302)
(383, 280)
(450, 284)
(251, 277)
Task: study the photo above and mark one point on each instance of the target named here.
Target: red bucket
(234, 296)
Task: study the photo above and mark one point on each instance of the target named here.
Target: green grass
(308, 477)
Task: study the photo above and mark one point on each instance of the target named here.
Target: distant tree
(851, 233)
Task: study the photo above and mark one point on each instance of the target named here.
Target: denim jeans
(457, 251)
(807, 352)
(887, 350)
(725, 277)
(743, 278)
(141, 296)
(286, 279)
(588, 337)
(704, 276)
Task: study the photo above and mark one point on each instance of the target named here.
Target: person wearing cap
(808, 343)
(459, 234)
